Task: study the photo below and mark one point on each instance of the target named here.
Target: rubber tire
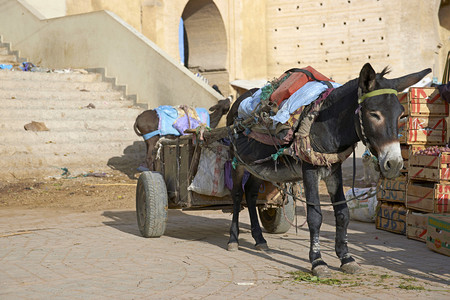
(273, 219)
(151, 204)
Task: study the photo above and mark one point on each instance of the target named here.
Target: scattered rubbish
(5, 67)
(90, 105)
(244, 283)
(30, 67)
(93, 174)
(27, 66)
(36, 126)
(15, 233)
(66, 174)
(84, 90)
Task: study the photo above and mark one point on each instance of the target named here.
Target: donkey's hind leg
(236, 196)
(251, 195)
(314, 218)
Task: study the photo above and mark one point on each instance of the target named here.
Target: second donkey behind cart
(148, 122)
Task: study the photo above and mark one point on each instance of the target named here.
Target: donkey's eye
(375, 115)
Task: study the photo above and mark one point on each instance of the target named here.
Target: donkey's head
(378, 115)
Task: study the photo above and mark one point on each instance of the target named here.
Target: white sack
(210, 179)
(364, 207)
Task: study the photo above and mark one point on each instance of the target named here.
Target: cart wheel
(151, 204)
(274, 220)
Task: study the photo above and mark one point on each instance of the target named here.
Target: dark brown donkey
(148, 121)
(364, 109)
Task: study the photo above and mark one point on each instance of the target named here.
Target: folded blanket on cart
(302, 97)
(174, 120)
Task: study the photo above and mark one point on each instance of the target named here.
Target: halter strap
(376, 93)
(151, 134)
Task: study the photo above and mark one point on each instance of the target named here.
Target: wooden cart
(176, 165)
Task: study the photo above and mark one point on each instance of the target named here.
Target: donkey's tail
(136, 130)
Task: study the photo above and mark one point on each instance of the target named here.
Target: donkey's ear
(367, 79)
(403, 82)
(214, 107)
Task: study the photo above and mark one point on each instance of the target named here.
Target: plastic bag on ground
(362, 208)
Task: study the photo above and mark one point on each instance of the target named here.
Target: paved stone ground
(101, 255)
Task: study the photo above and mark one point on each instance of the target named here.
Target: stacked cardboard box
(424, 124)
(425, 132)
(438, 233)
(391, 210)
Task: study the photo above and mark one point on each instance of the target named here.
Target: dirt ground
(112, 190)
(105, 191)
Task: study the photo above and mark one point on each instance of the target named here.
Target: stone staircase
(90, 125)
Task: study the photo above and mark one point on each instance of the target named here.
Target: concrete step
(74, 76)
(16, 104)
(60, 137)
(79, 138)
(33, 166)
(42, 115)
(60, 95)
(8, 59)
(70, 125)
(98, 148)
(45, 85)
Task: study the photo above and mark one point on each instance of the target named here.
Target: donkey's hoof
(233, 246)
(321, 271)
(351, 268)
(262, 247)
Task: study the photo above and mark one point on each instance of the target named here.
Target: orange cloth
(294, 82)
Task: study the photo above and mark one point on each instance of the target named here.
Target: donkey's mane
(385, 71)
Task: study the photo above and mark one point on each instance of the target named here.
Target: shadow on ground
(132, 157)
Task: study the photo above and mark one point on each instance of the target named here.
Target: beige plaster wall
(338, 36)
(49, 8)
(444, 22)
(102, 40)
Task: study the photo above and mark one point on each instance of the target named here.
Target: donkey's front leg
(236, 196)
(251, 195)
(150, 159)
(342, 217)
(314, 218)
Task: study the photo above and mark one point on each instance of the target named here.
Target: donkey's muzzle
(391, 168)
(391, 161)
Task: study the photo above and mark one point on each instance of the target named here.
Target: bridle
(361, 97)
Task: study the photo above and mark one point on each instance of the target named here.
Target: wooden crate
(405, 151)
(391, 217)
(429, 168)
(438, 233)
(423, 102)
(416, 225)
(423, 130)
(428, 197)
(392, 190)
(408, 150)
